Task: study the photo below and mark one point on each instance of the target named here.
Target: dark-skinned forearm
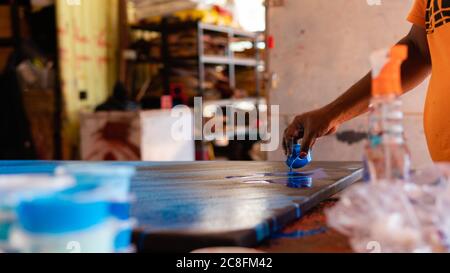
(355, 101)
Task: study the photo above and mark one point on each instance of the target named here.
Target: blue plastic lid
(55, 215)
(294, 159)
(27, 167)
(123, 239)
(120, 210)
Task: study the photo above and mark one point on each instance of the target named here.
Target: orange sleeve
(417, 14)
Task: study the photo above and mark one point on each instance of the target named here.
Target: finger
(292, 134)
(288, 145)
(307, 143)
(301, 132)
(292, 140)
(288, 139)
(285, 145)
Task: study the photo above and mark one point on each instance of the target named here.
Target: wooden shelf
(226, 102)
(208, 59)
(228, 30)
(229, 61)
(174, 27)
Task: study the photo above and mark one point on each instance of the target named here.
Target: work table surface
(210, 195)
(309, 235)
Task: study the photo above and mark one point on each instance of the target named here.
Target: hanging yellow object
(88, 42)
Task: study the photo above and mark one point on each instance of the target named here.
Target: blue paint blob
(294, 161)
(292, 179)
(300, 233)
(296, 182)
(289, 174)
(300, 182)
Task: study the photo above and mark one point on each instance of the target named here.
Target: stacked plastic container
(15, 188)
(83, 208)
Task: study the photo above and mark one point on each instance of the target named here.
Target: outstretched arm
(355, 101)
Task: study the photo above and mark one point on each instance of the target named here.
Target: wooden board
(181, 207)
(185, 206)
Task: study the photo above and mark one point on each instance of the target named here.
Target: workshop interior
(224, 126)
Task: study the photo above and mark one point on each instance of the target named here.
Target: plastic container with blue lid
(115, 179)
(57, 224)
(100, 181)
(14, 188)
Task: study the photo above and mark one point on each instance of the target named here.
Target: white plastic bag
(390, 216)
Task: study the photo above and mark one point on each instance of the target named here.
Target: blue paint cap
(294, 161)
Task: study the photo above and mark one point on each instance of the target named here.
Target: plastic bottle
(387, 157)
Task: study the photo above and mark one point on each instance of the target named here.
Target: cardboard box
(134, 136)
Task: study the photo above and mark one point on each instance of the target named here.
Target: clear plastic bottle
(387, 157)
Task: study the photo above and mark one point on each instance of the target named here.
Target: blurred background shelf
(183, 60)
(228, 61)
(186, 44)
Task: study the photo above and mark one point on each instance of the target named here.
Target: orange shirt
(434, 15)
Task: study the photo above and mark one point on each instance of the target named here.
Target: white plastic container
(97, 239)
(114, 179)
(14, 188)
(106, 182)
(60, 225)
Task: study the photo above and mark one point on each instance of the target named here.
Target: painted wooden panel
(181, 207)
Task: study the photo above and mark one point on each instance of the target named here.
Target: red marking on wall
(61, 31)
(62, 54)
(79, 37)
(81, 59)
(103, 60)
(101, 40)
